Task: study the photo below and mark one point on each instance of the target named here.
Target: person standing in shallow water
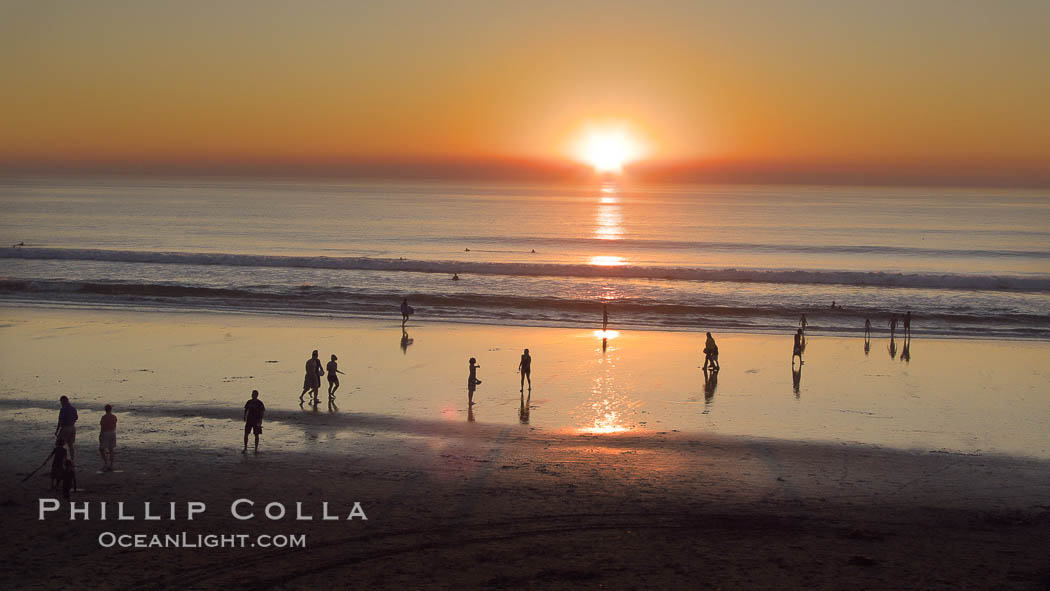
(525, 369)
(605, 317)
(333, 377)
(867, 328)
(893, 326)
(253, 416)
(313, 377)
(907, 324)
(802, 323)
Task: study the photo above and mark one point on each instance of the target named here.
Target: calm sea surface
(965, 262)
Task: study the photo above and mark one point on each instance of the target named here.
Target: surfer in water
(455, 276)
(525, 369)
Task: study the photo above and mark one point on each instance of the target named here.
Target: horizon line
(524, 169)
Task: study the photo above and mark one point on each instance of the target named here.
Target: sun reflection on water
(608, 261)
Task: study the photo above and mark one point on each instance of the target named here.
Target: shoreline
(813, 330)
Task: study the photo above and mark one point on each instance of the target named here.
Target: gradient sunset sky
(926, 91)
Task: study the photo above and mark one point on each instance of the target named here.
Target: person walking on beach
(253, 416)
(525, 369)
(333, 377)
(797, 349)
(711, 353)
(605, 317)
(67, 425)
(907, 325)
(472, 379)
(107, 438)
(406, 311)
(313, 377)
(893, 325)
(867, 328)
(802, 323)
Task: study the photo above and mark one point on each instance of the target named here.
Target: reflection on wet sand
(523, 410)
(710, 384)
(405, 341)
(892, 347)
(906, 351)
(796, 379)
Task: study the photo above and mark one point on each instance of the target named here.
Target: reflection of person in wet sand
(313, 378)
(253, 416)
(710, 384)
(525, 369)
(796, 378)
(711, 353)
(405, 340)
(892, 347)
(796, 350)
(906, 350)
(333, 377)
(472, 380)
(605, 317)
(523, 410)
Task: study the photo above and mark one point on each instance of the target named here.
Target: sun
(608, 148)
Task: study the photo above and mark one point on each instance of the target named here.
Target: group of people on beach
(63, 456)
(314, 373)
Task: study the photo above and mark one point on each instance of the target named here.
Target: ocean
(965, 262)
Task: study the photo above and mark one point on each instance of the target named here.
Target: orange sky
(862, 91)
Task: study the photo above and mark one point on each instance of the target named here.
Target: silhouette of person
(66, 429)
(796, 379)
(797, 349)
(253, 416)
(455, 276)
(525, 369)
(906, 350)
(907, 324)
(405, 340)
(832, 304)
(107, 438)
(605, 317)
(802, 323)
(711, 353)
(313, 377)
(893, 325)
(867, 328)
(472, 379)
(406, 311)
(523, 410)
(710, 384)
(333, 377)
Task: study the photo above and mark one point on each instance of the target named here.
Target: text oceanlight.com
(187, 540)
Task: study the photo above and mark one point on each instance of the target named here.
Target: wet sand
(493, 503)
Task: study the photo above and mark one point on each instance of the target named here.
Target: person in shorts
(333, 377)
(253, 416)
(107, 438)
(67, 425)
